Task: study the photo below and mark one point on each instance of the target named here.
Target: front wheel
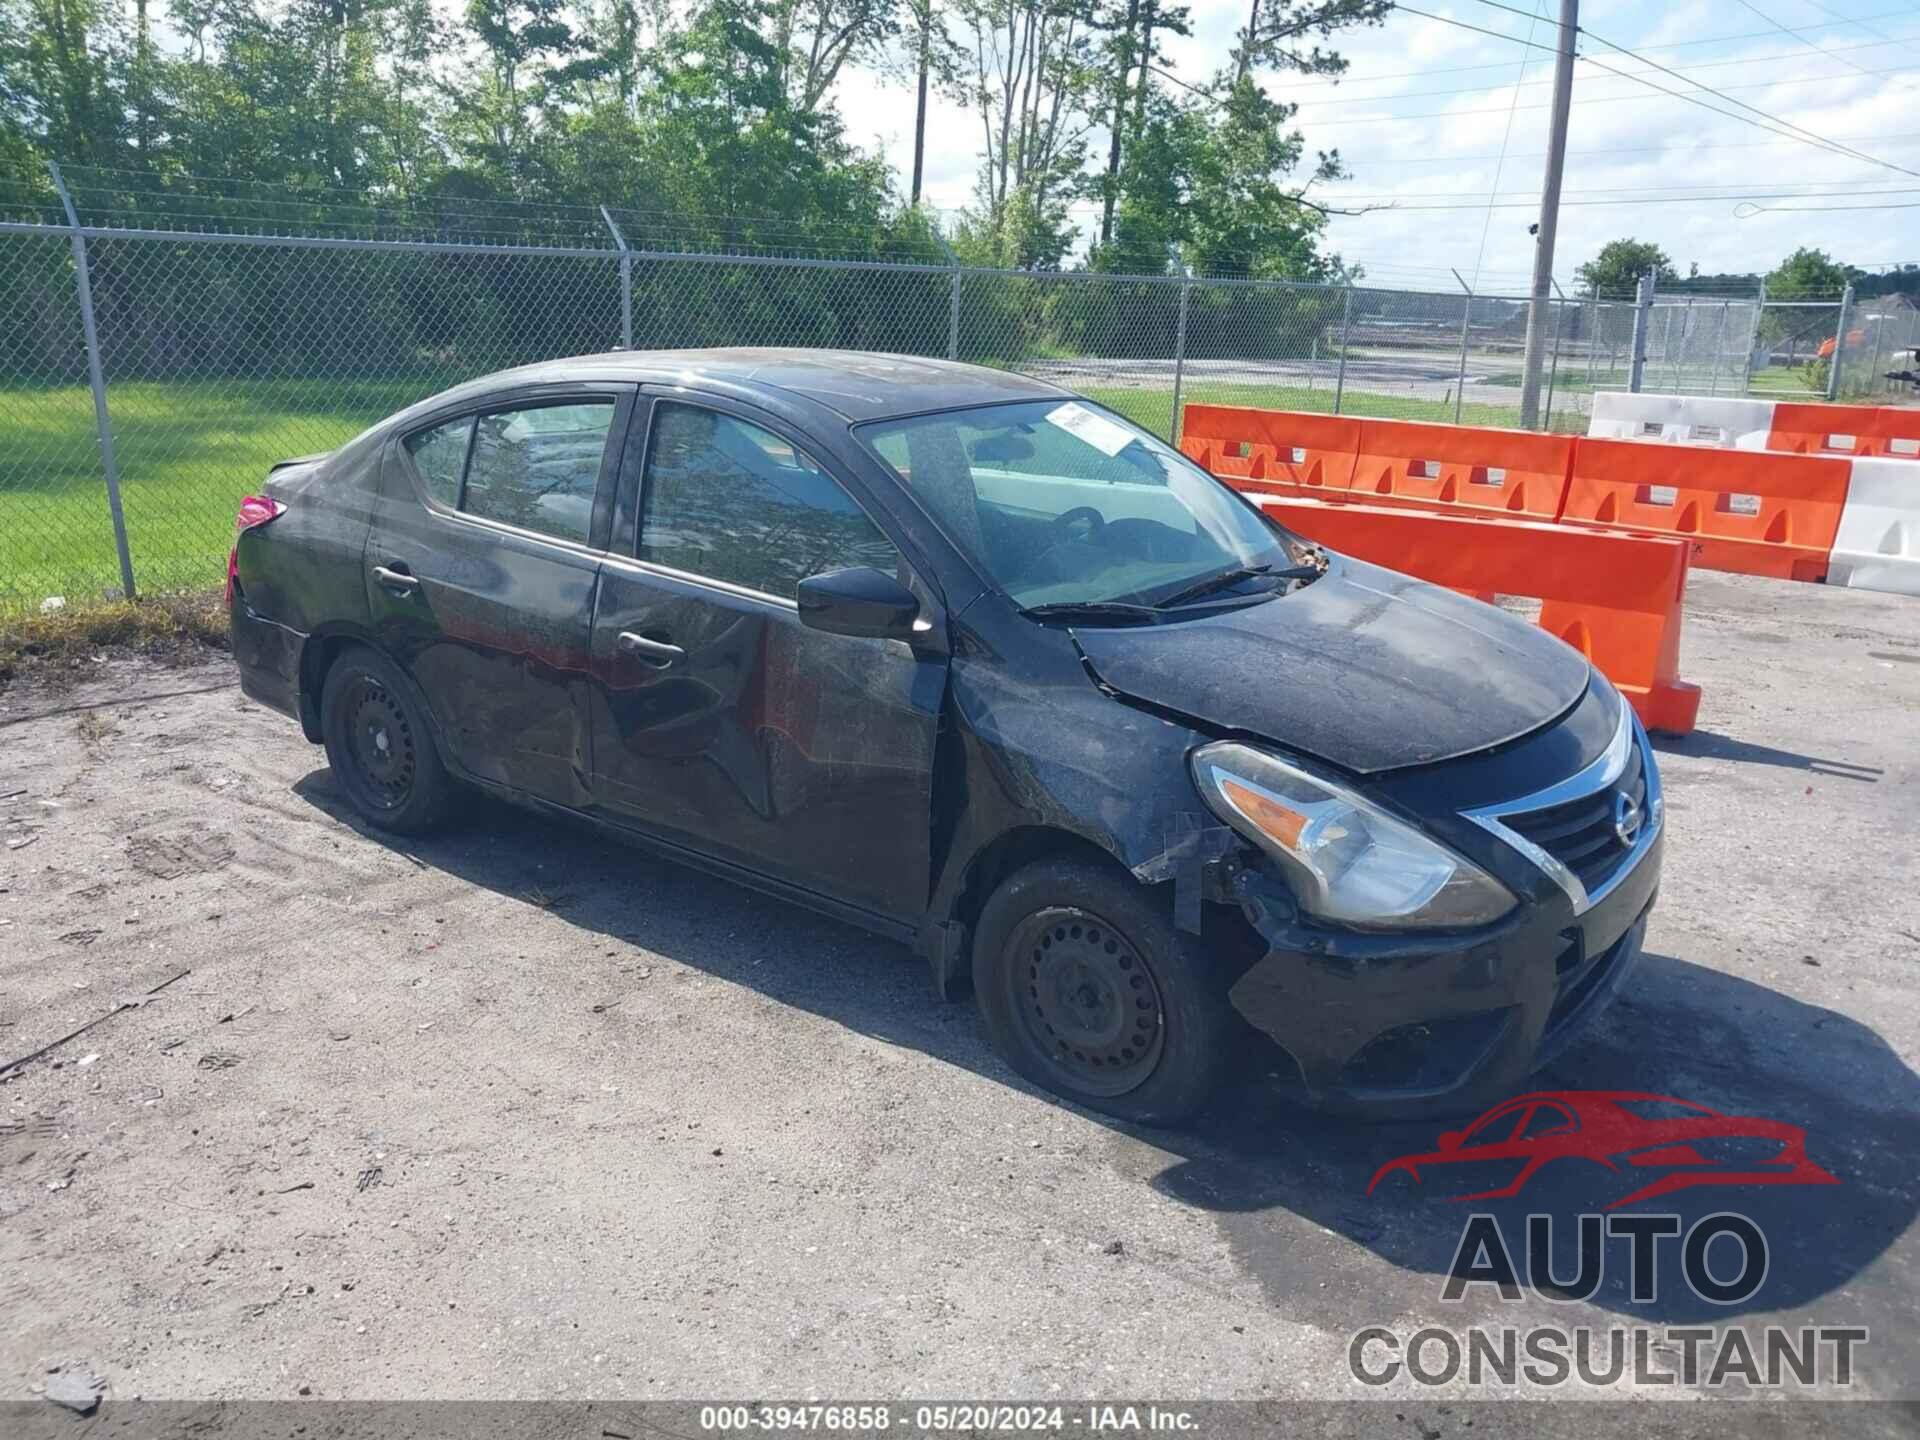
(1086, 987)
(379, 747)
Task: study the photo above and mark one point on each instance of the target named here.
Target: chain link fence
(221, 353)
(1881, 336)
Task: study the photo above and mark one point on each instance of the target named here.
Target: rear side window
(439, 455)
(539, 468)
(731, 501)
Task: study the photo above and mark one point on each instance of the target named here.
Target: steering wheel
(1063, 522)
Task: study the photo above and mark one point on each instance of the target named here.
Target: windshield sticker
(1088, 425)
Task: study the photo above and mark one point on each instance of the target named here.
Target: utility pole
(1549, 216)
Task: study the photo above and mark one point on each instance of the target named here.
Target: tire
(1087, 989)
(380, 746)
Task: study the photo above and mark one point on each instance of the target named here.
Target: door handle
(398, 581)
(656, 653)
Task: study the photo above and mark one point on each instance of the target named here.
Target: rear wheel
(379, 746)
(1087, 988)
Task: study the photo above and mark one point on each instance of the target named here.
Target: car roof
(854, 384)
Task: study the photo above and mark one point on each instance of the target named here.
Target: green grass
(1783, 381)
(188, 451)
(1154, 408)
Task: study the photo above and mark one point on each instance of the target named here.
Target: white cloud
(1427, 149)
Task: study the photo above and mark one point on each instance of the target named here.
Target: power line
(1535, 84)
(1592, 99)
(1862, 24)
(1816, 209)
(1765, 121)
(1477, 29)
(1387, 163)
(1774, 120)
(1513, 108)
(1676, 45)
(1645, 200)
(1754, 9)
(1630, 192)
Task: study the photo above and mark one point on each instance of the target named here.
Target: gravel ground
(517, 1112)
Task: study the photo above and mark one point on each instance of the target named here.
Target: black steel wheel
(379, 747)
(1088, 1001)
(1086, 987)
(381, 750)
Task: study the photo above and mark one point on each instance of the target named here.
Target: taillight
(254, 510)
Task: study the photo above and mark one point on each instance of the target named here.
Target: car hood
(1365, 668)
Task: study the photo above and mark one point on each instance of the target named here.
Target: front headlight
(1350, 861)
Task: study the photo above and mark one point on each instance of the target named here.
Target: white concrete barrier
(1877, 546)
(1727, 424)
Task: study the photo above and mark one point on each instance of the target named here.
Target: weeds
(58, 646)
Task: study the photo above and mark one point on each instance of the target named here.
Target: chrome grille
(1580, 834)
(1573, 830)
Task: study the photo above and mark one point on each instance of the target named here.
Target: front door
(723, 723)
(481, 566)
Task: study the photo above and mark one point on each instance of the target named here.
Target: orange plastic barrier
(1845, 430)
(1748, 511)
(1279, 451)
(1462, 467)
(1614, 598)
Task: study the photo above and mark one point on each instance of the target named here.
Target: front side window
(1061, 502)
(539, 468)
(732, 501)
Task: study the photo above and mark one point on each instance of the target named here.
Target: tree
(820, 36)
(1033, 73)
(1617, 269)
(1809, 274)
(926, 52)
(1203, 181)
(1284, 34)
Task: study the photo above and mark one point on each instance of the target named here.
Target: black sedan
(974, 662)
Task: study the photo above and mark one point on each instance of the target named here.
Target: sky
(1710, 189)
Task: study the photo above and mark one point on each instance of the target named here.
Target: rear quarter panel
(304, 570)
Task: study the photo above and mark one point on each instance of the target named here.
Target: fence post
(1642, 323)
(1593, 333)
(1553, 365)
(1466, 319)
(953, 319)
(1340, 375)
(1840, 342)
(1719, 350)
(626, 281)
(97, 379)
(1179, 360)
(1753, 338)
(1879, 345)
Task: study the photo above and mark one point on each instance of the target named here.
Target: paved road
(516, 1113)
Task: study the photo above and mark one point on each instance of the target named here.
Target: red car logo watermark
(1676, 1144)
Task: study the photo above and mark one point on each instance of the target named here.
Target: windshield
(1063, 503)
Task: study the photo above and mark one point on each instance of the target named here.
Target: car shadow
(1259, 1159)
(1706, 745)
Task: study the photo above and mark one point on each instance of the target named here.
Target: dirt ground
(516, 1112)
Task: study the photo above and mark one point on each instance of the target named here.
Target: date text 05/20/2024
(971, 1418)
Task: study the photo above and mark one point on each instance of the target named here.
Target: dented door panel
(804, 756)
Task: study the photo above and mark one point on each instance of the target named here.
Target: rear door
(481, 566)
(723, 723)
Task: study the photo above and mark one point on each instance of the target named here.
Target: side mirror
(858, 601)
(1450, 1140)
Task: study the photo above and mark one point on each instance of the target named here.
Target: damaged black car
(977, 663)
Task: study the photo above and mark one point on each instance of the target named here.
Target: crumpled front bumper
(1417, 1022)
